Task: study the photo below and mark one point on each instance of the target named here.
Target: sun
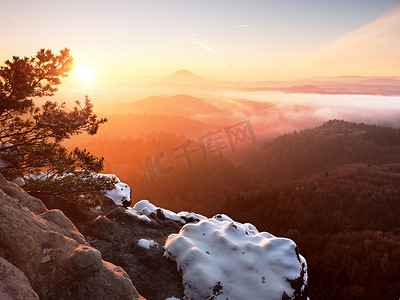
(85, 73)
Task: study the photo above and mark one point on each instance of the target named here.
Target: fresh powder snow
(120, 193)
(146, 208)
(130, 211)
(223, 259)
(145, 243)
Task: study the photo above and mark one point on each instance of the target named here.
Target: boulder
(13, 190)
(89, 277)
(13, 283)
(80, 216)
(55, 258)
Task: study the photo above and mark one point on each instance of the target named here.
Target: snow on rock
(38, 176)
(145, 243)
(121, 194)
(191, 217)
(223, 259)
(146, 208)
(134, 213)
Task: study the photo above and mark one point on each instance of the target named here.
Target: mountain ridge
(184, 76)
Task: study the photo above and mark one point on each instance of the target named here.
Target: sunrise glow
(85, 73)
(267, 40)
(283, 115)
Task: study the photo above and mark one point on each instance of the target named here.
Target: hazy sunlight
(85, 73)
(281, 114)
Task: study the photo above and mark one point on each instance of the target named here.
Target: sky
(218, 39)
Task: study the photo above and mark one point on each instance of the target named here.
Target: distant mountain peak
(183, 72)
(184, 76)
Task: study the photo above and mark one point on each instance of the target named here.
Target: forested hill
(335, 190)
(330, 145)
(347, 223)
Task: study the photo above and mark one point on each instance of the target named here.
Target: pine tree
(30, 135)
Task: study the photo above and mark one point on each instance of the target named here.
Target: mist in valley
(282, 115)
(298, 165)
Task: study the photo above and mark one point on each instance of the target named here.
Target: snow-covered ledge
(224, 259)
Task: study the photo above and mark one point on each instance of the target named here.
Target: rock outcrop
(13, 283)
(218, 258)
(80, 217)
(136, 244)
(42, 254)
(120, 236)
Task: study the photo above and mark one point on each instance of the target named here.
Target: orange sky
(224, 40)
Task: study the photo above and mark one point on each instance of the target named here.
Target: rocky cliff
(110, 252)
(43, 255)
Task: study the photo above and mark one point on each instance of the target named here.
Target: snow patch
(221, 259)
(191, 216)
(144, 243)
(130, 211)
(144, 207)
(121, 193)
(38, 176)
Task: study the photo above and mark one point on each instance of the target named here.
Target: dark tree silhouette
(30, 135)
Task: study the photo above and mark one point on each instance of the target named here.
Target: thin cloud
(240, 26)
(191, 37)
(374, 47)
(204, 46)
